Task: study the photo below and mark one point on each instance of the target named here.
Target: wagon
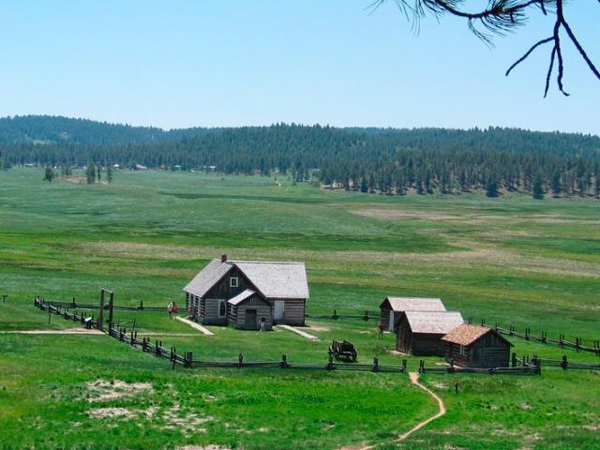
(343, 349)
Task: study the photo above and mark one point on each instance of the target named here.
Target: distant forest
(371, 160)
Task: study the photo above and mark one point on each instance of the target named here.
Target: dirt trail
(196, 326)
(69, 331)
(414, 378)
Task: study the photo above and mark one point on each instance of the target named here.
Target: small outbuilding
(420, 332)
(392, 309)
(477, 346)
(248, 310)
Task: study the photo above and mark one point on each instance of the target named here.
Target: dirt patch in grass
(394, 214)
(205, 447)
(110, 413)
(102, 390)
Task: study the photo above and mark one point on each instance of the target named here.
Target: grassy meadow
(514, 260)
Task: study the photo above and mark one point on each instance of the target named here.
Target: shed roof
(272, 279)
(415, 304)
(467, 334)
(433, 322)
(241, 297)
(207, 278)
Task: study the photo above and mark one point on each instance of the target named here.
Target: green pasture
(513, 260)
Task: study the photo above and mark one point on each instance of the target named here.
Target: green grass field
(513, 260)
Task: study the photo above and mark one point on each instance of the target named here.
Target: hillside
(391, 161)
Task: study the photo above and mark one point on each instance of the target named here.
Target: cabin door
(278, 310)
(250, 322)
(391, 325)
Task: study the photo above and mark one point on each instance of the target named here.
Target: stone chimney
(223, 258)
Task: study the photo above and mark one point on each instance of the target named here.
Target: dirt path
(69, 331)
(304, 334)
(414, 378)
(196, 326)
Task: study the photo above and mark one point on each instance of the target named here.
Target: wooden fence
(527, 335)
(75, 305)
(525, 365)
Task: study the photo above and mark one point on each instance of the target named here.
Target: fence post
(329, 365)
(403, 366)
(132, 339)
(4, 297)
(561, 340)
(564, 363)
(451, 368)
(514, 359)
(284, 364)
(511, 330)
(335, 315)
(544, 337)
(240, 361)
(578, 344)
(366, 317)
(538, 366)
(482, 322)
(375, 365)
(421, 366)
(526, 334)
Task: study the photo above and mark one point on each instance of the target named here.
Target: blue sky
(233, 62)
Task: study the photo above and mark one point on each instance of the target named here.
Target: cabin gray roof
(272, 279)
(276, 279)
(241, 297)
(415, 304)
(433, 322)
(207, 278)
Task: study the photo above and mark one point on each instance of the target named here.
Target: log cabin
(420, 332)
(392, 309)
(476, 346)
(228, 292)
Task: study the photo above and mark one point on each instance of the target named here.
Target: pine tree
(491, 189)
(538, 188)
(364, 187)
(91, 174)
(556, 185)
(99, 173)
(49, 174)
(109, 175)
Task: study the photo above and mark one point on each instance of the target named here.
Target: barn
(282, 285)
(476, 346)
(420, 332)
(392, 309)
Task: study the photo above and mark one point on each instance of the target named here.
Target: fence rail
(75, 305)
(519, 366)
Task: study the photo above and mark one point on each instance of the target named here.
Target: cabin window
(462, 350)
(222, 308)
(234, 282)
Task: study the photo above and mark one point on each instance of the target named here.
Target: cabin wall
(452, 352)
(222, 288)
(210, 314)
(489, 351)
(384, 317)
(263, 309)
(427, 344)
(404, 337)
(293, 311)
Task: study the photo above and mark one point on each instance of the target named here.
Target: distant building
(392, 309)
(476, 346)
(420, 332)
(246, 293)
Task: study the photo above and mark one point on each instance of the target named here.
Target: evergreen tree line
(388, 161)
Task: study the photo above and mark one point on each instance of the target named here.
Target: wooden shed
(420, 332)
(392, 309)
(477, 346)
(248, 309)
